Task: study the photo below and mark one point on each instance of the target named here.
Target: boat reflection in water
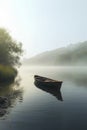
(52, 90)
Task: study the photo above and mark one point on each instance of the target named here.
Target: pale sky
(43, 25)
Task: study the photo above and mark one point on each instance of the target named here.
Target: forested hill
(73, 54)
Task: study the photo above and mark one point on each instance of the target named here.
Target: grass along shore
(7, 74)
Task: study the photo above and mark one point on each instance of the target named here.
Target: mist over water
(42, 108)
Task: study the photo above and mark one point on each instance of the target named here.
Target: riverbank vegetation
(10, 52)
(7, 73)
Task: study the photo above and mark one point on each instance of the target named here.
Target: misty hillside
(74, 54)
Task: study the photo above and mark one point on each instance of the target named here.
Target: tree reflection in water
(9, 96)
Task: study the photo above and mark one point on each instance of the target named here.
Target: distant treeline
(73, 54)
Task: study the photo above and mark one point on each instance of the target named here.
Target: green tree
(10, 50)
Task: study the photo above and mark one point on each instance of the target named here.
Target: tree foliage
(10, 50)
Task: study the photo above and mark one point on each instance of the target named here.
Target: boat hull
(40, 81)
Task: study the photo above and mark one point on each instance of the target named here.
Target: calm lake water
(32, 108)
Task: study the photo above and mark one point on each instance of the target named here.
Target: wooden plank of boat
(44, 81)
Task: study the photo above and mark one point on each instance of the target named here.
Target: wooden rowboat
(44, 81)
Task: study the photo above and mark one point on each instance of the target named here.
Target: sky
(43, 25)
